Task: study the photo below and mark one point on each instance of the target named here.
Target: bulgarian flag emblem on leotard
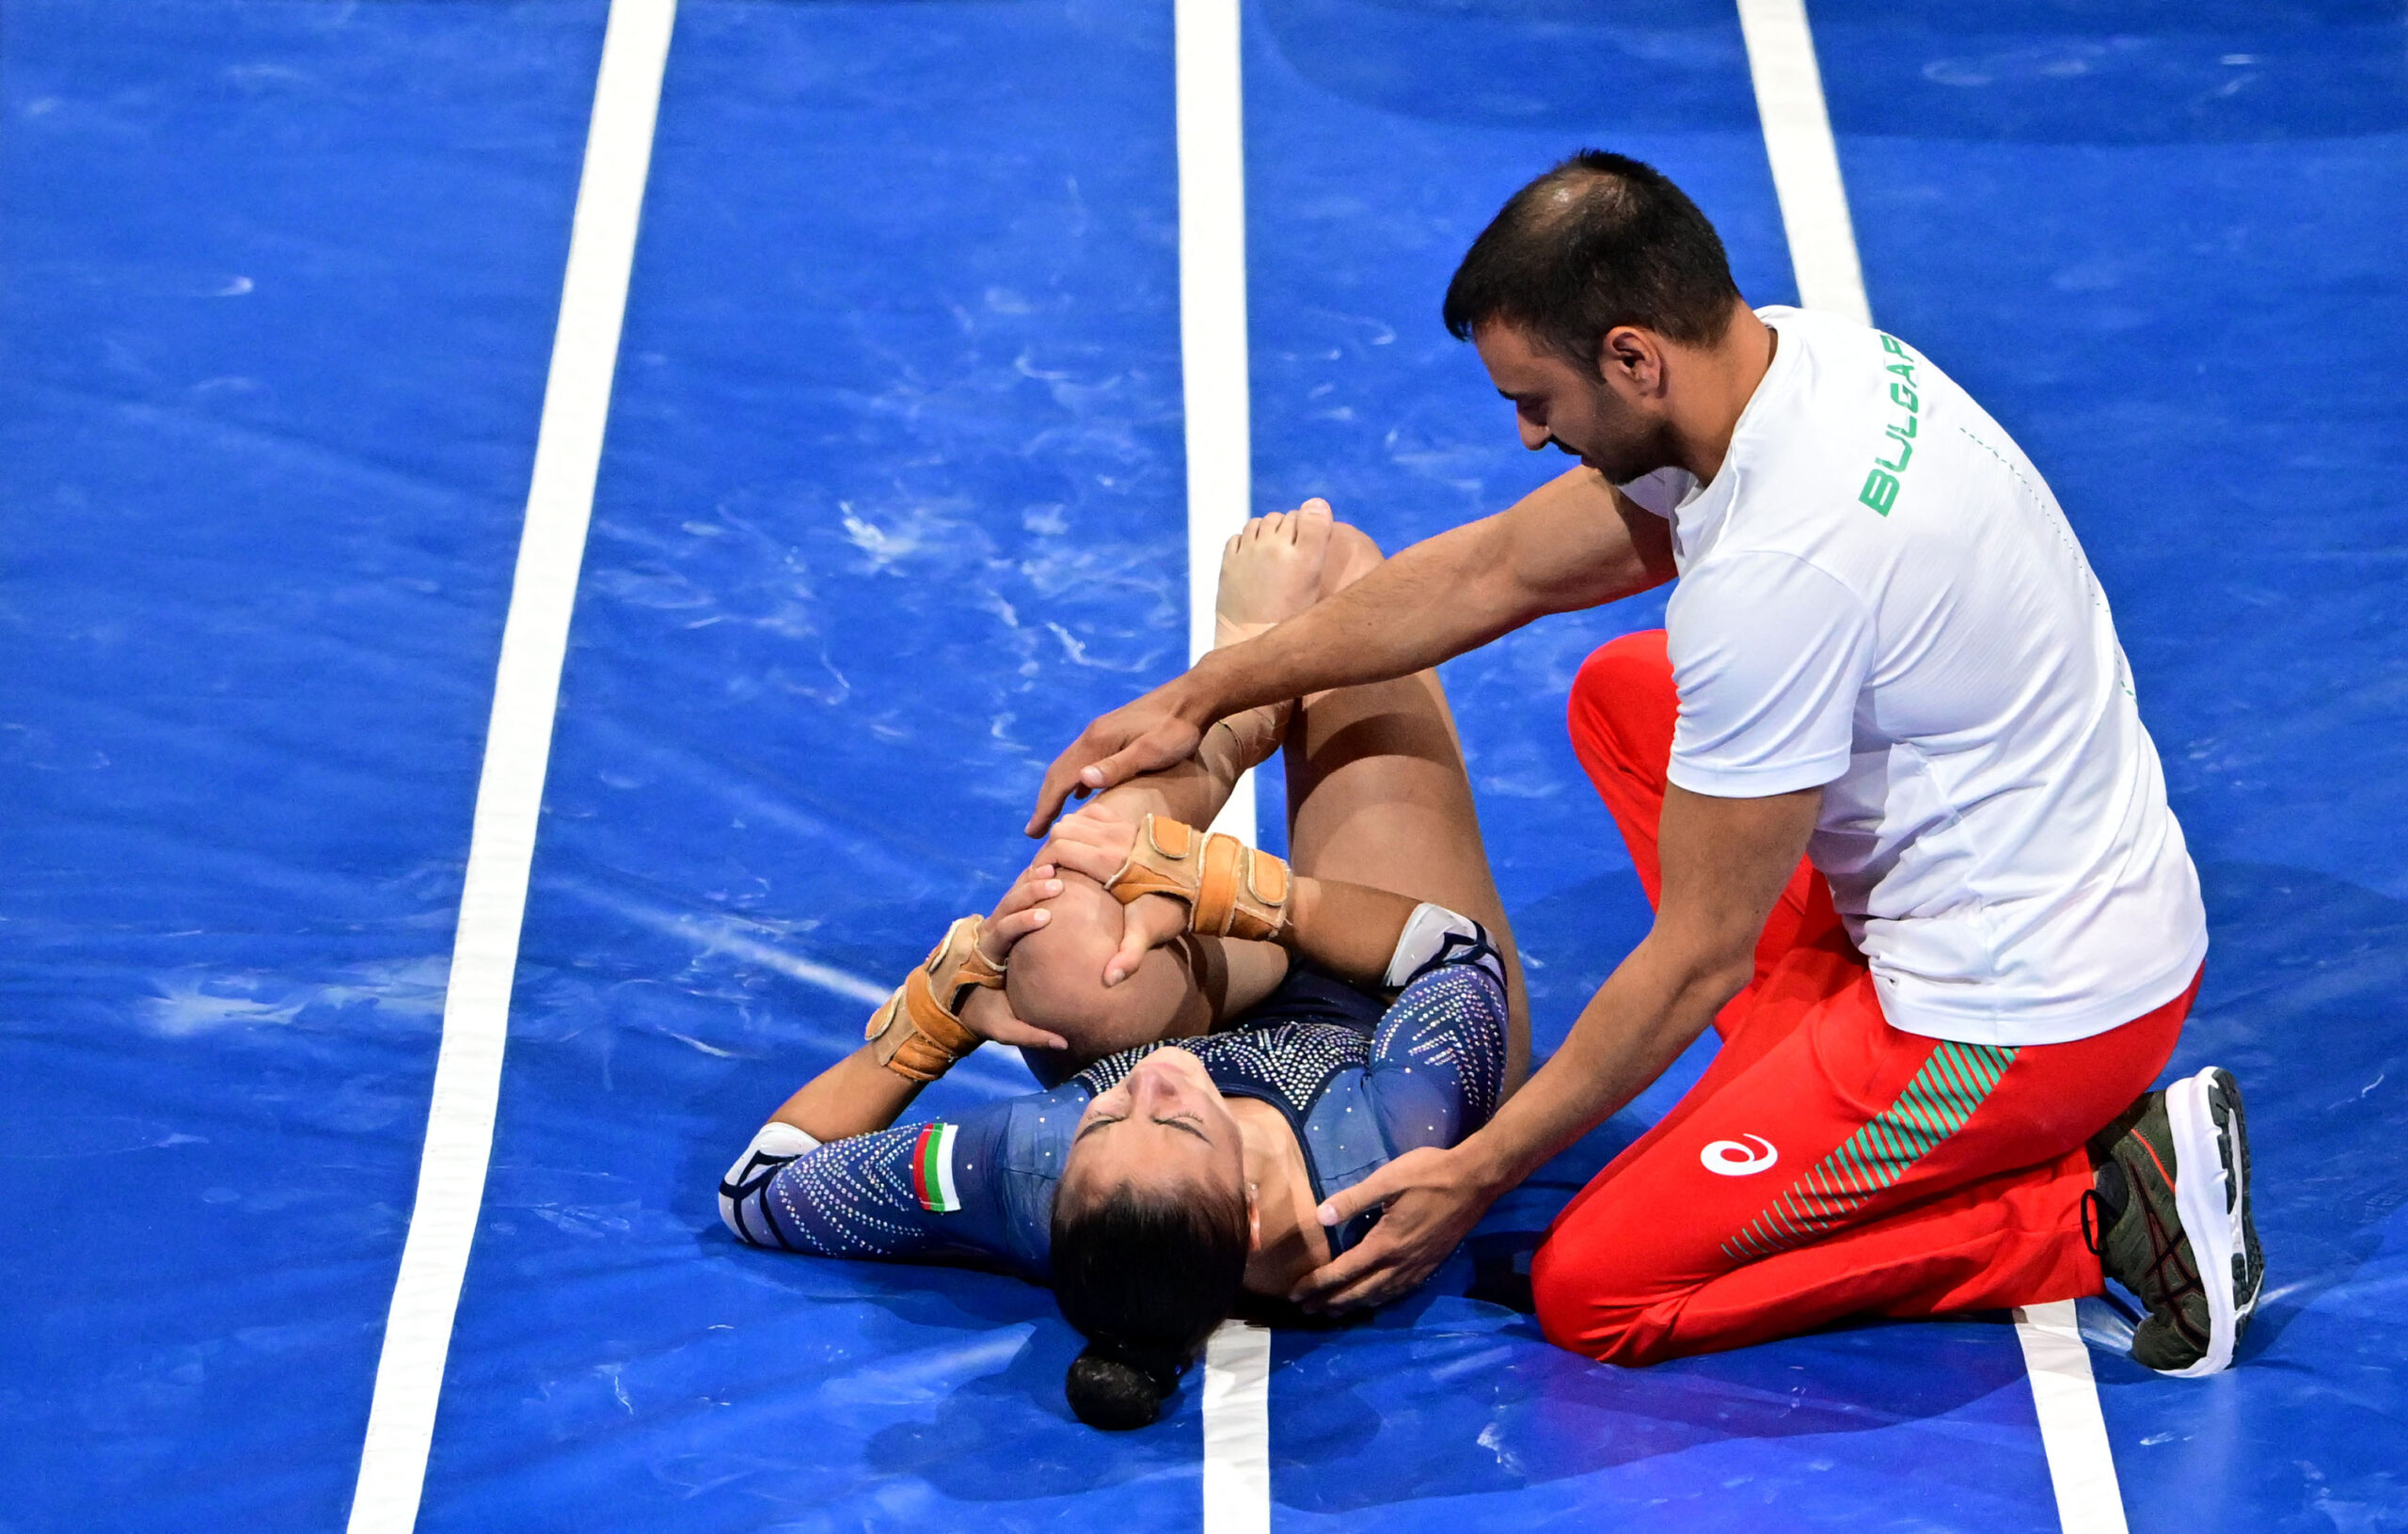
(932, 1169)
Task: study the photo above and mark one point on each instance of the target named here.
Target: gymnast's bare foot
(1270, 571)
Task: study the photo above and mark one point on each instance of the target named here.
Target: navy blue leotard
(1359, 1086)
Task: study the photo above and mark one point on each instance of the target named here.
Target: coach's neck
(1706, 389)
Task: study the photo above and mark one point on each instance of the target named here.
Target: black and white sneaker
(2174, 1225)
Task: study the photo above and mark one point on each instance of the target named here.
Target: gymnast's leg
(1377, 794)
(1270, 571)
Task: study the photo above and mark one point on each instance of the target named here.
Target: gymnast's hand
(1146, 735)
(988, 1012)
(1433, 1198)
(1096, 842)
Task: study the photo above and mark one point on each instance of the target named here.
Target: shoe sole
(2212, 1197)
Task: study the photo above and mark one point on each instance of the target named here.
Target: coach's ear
(1631, 361)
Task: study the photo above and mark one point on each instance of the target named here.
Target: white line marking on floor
(1211, 318)
(1237, 1430)
(2081, 1465)
(510, 792)
(1805, 160)
(1220, 494)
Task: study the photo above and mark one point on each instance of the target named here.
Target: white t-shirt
(1880, 595)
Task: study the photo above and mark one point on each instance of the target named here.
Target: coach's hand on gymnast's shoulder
(1433, 1198)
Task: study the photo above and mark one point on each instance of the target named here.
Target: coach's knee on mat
(1575, 1317)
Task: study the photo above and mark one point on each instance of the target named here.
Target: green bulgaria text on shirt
(1880, 490)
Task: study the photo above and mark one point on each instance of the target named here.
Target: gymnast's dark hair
(1146, 1278)
(1600, 241)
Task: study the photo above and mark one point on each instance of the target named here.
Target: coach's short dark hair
(1599, 241)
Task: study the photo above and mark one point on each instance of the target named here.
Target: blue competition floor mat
(893, 501)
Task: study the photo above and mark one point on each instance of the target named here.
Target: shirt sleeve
(1437, 1063)
(914, 1191)
(1770, 656)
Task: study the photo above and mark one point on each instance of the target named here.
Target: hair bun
(1120, 1386)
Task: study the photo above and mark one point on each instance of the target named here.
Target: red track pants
(1827, 1164)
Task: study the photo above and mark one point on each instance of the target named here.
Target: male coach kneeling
(1886, 654)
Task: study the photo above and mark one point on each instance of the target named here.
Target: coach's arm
(1725, 862)
(1574, 542)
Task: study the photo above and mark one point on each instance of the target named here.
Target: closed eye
(1187, 1123)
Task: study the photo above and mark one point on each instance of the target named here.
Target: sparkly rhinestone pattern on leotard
(850, 1197)
(1429, 1073)
(1293, 1061)
(1455, 1021)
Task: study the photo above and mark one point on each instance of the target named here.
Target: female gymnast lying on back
(1209, 1023)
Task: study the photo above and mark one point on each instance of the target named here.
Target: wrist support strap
(1231, 890)
(918, 1032)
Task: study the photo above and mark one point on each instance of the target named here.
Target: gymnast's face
(1164, 1126)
